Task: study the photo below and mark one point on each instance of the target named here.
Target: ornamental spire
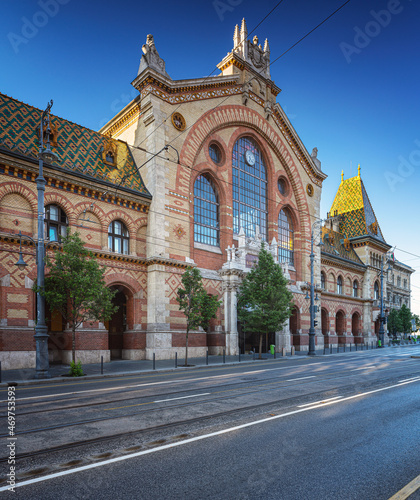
(236, 37)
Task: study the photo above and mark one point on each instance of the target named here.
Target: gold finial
(342, 175)
(358, 170)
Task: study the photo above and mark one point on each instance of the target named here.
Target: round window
(215, 153)
(282, 186)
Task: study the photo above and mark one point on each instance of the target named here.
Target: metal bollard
(330, 348)
(239, 355)
(224, 356)
(176, 359)
(350, 346)
(283, 351)
(344, 348)
(102, 365)
(253, 355)
(207, 358)
(292, 350)
(275, 354)
(0, 372)
(355, 345)
(154, 362)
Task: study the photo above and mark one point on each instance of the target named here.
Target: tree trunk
(73, 345)
(261, 337)
(186, 348)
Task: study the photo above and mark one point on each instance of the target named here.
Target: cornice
(340, 262)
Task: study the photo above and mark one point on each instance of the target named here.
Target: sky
(350, 88)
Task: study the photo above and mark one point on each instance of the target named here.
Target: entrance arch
(117, 325)
(355, 327)
(340, 327)
(294, 325)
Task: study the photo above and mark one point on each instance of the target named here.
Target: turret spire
(236, 37)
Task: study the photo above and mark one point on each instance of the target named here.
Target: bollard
(283, 351)
(324, 349)
(0, 372)
(176, 359)
(154, 362)
(253, 355)
(292, 350)
(344, 348)
(239, 355)
(330, 348)
(224, 356)
(207, 358)
(102, 365)
(350, 346)
(275, 357)
(355, 345)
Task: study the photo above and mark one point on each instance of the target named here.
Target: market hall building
(192, 172)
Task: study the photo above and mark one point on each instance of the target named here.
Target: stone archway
(340, 327)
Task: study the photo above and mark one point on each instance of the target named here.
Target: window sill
(207, 248)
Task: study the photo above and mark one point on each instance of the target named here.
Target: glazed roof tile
(79, 148)
(335, 244)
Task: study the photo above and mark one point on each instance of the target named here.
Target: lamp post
(312, 308)
(382, 316)
(41, 331)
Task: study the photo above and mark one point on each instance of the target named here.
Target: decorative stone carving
(151, 58)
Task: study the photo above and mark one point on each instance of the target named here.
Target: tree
(405, 318)
(264, 302)
(394, 322)
(75, 286)
(194, 302)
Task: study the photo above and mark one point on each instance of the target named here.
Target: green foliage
(194, 302)
(264, 302)
(394, 322)
(76, 370)
(405, 319)
(209, 306)
(75, 286)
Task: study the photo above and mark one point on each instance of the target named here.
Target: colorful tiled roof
(80, 149)
(352, 203)
(336, 245)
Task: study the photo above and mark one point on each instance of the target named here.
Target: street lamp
(313, 308)
(382, 316)
(41, 335)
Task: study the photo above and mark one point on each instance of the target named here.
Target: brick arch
(115, 279)
(206, 170)
(86, 205)
(141, 223)
(16, 188)
(118, 214)
(257, 127)
(62, 202)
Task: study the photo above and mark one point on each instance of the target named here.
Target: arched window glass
(376, 291)
(206, 212)
(340, 285)
(56, 223)
(355, 288)
(249, 188)
(323, 280)
(285, 237)
(398, 281)
(118, 237)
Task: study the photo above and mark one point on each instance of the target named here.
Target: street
(339, 427)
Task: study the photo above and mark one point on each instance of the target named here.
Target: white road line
(320, 402)
(300, 378)
(182, 397)
(363, 368)
(197, 438)
(412, 379)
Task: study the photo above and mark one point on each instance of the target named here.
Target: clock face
(250, 157)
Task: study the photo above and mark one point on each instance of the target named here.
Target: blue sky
(350, 88)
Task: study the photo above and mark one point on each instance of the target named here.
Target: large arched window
(285, 237)
(340, 285)
(376, 291)
(249, 188)
(56, 223)
(206, 212)
(118, 237)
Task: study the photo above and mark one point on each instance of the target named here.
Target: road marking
(410, 379)
(408, 490)
(182, 397)
(363, 368)
(200, 438)
(320, 402)
(300, 378)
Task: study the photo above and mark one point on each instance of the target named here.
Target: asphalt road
(332, 427)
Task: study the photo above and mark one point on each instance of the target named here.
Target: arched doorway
(355, 326)
(117, 324)
(294, 325)
(324, 322)
(340, 327)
